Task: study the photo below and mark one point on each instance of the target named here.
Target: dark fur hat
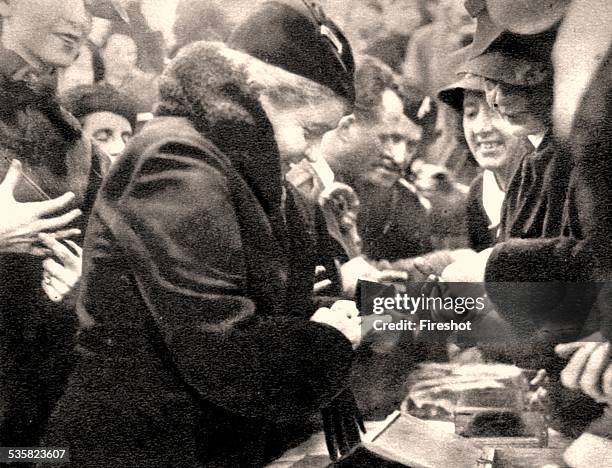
(296, 36)
(83, 100)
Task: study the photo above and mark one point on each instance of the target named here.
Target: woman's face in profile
(517, 108)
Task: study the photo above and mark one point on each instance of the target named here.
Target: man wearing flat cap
(45, 161)
(201, 347)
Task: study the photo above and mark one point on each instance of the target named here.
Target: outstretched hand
(22, 222)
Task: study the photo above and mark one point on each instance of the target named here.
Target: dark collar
(20, 85)
(12, 66)
(15, 68)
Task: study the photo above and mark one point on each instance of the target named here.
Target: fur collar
(216, 96)
(34, 126)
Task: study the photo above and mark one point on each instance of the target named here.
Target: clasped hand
(61, 277)
(343, 316)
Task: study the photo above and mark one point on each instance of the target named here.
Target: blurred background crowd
(491, 176)
(416, 38)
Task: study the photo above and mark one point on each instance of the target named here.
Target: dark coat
(535, 247)
(551, 240)
(202, 352)
(36, 335)
(590, 197)
(480, 236)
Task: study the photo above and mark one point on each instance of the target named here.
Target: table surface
(405, 431)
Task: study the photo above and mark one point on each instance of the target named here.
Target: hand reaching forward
(344, 317)
(589, 369)
(22, 222)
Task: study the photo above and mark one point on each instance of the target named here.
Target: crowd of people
(184, 226)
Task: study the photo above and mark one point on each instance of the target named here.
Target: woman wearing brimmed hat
(496, 151)
(545, 301)
(519, 90)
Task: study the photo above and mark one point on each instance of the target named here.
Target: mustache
(388, 163)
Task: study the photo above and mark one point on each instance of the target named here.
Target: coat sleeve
(479, 235)
(177, 220)
(543, 282)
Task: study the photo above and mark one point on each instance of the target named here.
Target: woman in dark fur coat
(199, 349)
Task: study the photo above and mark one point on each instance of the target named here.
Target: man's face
(110, 131)
(299, 130)
(487, 135)
(46, 33)
(516, 108)
(375, 151)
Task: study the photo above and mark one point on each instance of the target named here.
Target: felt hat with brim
(453, 94)
(515, 70)
(84, 100)
(297, 36)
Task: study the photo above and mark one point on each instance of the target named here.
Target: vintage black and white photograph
(305, 233)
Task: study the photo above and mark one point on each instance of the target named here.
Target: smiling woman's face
(487, 136)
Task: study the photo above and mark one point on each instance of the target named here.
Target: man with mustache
(370, 151)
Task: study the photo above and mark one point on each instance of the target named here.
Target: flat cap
(486, 30)
(523, 22)
(295, 35)
(527, 16)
